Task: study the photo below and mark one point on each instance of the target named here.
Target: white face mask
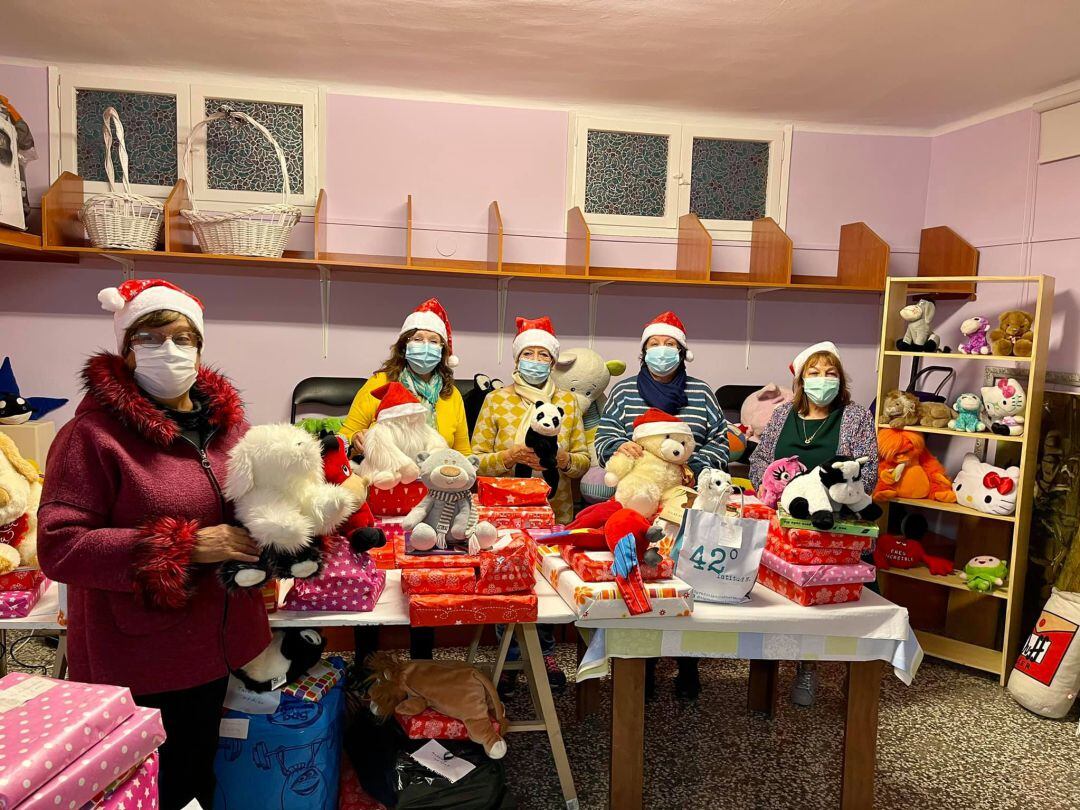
(166, 371)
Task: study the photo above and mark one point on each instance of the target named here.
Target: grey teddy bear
(446, 515)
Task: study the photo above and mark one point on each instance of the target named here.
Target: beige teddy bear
(640, 482)
(20, 494)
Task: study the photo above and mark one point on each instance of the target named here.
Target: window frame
(680, 158)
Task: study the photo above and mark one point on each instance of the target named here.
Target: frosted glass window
(149, 121)
(626, 173)
(239, 158)
(729, 179)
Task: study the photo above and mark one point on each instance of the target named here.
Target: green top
(824, 435)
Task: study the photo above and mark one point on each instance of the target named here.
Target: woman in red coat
(133, 520)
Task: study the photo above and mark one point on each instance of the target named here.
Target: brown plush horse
(451, 687)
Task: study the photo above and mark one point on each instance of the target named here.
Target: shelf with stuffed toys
(987, 500)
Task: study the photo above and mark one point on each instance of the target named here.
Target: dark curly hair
(396, 362)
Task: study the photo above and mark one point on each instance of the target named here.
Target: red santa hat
(801, 358)
(536, 332)
(431, 316)
(654, 422)
(667, 324)
(396, 400)
(138, 297)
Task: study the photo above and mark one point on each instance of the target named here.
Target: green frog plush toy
(984, 573)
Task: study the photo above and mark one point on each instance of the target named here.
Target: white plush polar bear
(640, 482)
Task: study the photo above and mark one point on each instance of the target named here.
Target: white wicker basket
(261, 230)
(120, 219)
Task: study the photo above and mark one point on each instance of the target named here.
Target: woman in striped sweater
(663, 383)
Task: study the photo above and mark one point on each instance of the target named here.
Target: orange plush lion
(908, 470)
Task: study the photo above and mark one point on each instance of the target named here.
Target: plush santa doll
(359, 528)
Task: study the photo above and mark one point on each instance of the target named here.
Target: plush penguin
(542, 438)
(474, 400)
(290, 654)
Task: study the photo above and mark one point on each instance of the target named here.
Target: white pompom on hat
(536, 332)
(801, 358)
(667, 324)
(431, 317)
(138, 297)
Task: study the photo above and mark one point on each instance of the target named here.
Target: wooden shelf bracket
(752, 296)
(324, 308)
(594, 299)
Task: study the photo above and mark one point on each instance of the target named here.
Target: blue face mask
(662, 359)
(821, 390)
(423, 357)
(533, 371)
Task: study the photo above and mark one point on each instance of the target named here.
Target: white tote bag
(718, 555)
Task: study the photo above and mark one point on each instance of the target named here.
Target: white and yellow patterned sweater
(497, 427)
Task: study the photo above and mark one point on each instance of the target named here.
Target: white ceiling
(917, 63)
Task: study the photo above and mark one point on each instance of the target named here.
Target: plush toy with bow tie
(986, 488)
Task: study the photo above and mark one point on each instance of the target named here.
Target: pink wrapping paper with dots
(347, 583)
(19, 604)
(137, 792)
(46, 725)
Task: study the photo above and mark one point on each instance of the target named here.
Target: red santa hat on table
(396, 400)
(655, 422)
(667, 324)
(138, 297)
(536, 332)
(801, 358)
(431, 316)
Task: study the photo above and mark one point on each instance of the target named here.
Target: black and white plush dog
(542, 438)
(828, 491)
(290, 654)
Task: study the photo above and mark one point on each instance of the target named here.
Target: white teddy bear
(20, 493)
(276, 483)
(641, 482)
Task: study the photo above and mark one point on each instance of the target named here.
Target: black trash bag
(483, 788)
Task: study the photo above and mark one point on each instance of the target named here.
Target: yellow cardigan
(496, 428)
(449, 414)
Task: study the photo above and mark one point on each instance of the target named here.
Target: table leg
(762, 690)
(59, 669)
(3, 652)
(587, 692)
(625, 791)
(860, 735)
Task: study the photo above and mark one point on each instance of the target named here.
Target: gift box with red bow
(511, 491)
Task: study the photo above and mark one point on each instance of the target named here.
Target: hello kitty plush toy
(1004, 403)
(986, 488)
(974, 331)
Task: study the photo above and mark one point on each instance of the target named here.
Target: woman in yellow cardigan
(422, 360)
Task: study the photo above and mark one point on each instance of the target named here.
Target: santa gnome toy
(359, 528)
(400, 433)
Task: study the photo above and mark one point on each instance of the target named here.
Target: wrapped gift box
(433, 725)
(601, 600)
(270, 593)
(517, 517)
(139, 790)
(314, 685)
(811, 575)
(438, 610)
(511, 491)
(854, 528)
(438, 580)
(808, 595)
(595, 566)
(432, 559)
(756, 510)
(810, 556)
(803, 537)
(396, 502)
(508, 566)
(19, 604)
(21, 579)
(348, 582)
(351, 795)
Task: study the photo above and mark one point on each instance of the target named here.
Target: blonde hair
(801, 403)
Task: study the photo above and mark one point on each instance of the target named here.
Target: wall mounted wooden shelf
(17, 246)
(943, 252)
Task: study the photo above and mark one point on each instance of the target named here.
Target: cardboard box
(33, 439)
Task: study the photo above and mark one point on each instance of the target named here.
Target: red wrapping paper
(21, 579)
(758, 511)
(396, 502)
(405, 560)
(351, 796)
(813, 538)
(517, 517)
(433, 725)
(808, 596)
(20, 604)
(811, 556)
(438, 580)
(509, 568)
(269, 592)
(440, 610)
(599, 570)
(511, 491)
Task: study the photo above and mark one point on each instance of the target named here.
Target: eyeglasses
(152, 340)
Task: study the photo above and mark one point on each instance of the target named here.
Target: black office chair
(338, 393)
(730, 399)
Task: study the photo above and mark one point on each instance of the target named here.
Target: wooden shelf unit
(973, 616)
(922, 573)
(958, 434)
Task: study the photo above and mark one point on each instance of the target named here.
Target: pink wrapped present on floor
(348, 582)
(20, 604)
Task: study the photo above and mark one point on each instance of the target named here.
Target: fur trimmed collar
(112, 386)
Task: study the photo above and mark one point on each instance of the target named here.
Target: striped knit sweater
(702, 413)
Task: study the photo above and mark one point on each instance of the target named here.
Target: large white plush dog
(276, 483)
(828, 490)
(391, 446)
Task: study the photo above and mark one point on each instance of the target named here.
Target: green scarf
(427, 391)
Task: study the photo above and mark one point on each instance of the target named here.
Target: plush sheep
(446, 513)
(714, 488)
(831, 489)
(276, 483)
(640, 482)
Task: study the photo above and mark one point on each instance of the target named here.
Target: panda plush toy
(290, 654)
(542, 438)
